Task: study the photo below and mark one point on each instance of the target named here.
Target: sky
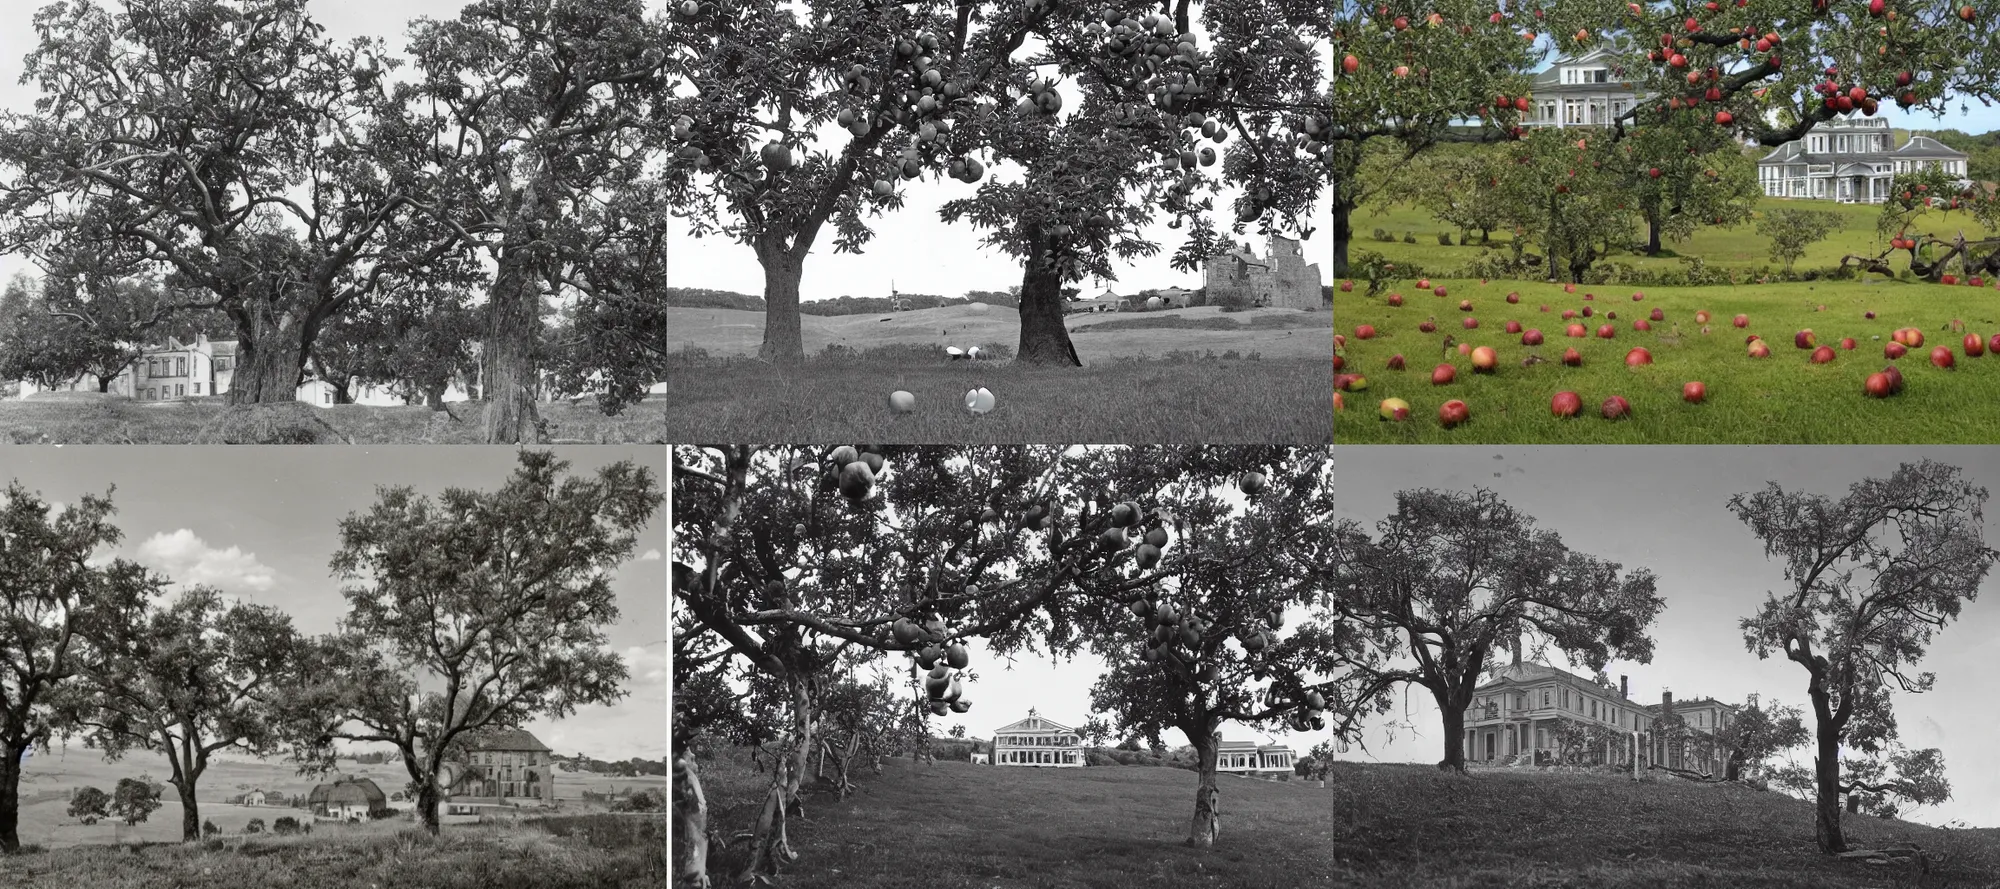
(1663, 508)
(261, 524)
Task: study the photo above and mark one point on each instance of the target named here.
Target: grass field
(951, 825)
(88, 418)
(1780, 399)
(1174, 376)
(1738, 246)
(585, 852)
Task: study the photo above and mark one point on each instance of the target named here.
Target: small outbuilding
(345, 798)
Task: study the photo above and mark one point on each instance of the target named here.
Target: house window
(180, 367)
(1593, 709)
(152, 395)
(197, 388)
(152, 367)
(326, 397)
(180, 389)
(1545, 697)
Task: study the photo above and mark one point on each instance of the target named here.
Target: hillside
(951, 824)
(1277, 333)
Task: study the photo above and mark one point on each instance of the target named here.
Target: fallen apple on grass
(1572, 358)
(1895, 375)
(1393, 409)
(1484, 359)
(1533, 337)
(1741, 321)
(1804, 339)
(1396, 300)
(1847, 343)
(1694, 392)
(1443, 374)
(1606, 332)
(1642, 325)
(1975, 345)
(1513, 297)
(1615, 408)
(1396, 362)
(1823, 355)
(1759, 350)
(1339, 403)
(1942, 357)
(1364, 331)
(1658, 315)
(1453, 412)
(1513, 326)
(1566, 404)
(1464, 305)
(1576, 330)
(1893, 351)
(1427, 327)
(1638, 357)
(1701, 317)
(1471, 323)
(1567, 314)
(1878, 386)
(1464, 348)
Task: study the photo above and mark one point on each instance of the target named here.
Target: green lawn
(1179, 398)
(89, 418)
(951, 825)
(1739, 246)
(1780, 399)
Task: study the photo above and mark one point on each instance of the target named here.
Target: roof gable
(1033, 724)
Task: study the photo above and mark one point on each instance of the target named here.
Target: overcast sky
(261, 523)
(1664, 508)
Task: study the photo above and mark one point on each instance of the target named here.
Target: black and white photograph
(310, 221)
(333, 667)
(1528, 666)
(1000, 223)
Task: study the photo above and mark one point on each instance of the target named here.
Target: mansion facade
(1037, 741)
(1579, 91)
(1853, 161)
(1516, 715)
(1252, 758)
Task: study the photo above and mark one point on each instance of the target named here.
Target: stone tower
(1281, 279)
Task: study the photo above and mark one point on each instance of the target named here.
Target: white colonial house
(1037, 741)
(1517, 712)
(1852, 160)
(1250, 758)
(1579, 91)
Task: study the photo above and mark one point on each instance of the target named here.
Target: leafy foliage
(88, 804)
(134, 799)
(1792, 231)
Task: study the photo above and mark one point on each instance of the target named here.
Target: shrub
(1384, 236)
(1409, 237)
(643, 801)
(256, 825)
(285, 826)
(384, 812)
(1444, 239)
(208, 829)
(89, 804)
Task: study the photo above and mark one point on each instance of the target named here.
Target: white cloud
(188, 559)
(648, 664)
(651, 555)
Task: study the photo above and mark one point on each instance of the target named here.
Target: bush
(1444, 239)
(285, 826)
(256, 825)
(384, 812)
(1384, 236)
(208, 829)
(643, 801)
(89, 804)
(1409, 237)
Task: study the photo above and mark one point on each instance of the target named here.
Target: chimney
(1666, 701)
(1624, 689)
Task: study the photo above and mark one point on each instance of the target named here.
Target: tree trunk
(1454, 733)
(513, 318)
(434, 396)
(1343, 234)
(1826, 773)
(1207, 823)
(427, 805)
(1653, 233)
(1044, 336)
(10, 796)
(784, 342)
(690, 825)
(770, 848)
(270, 356)
(104, 383)
(190, 812)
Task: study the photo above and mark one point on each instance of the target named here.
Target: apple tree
(1918, 197)
(1757, 733)
(1872, 578)
(1417, 75)
(54, 594)
(1451, 577)
(1565, 195)
(1792, 231)
(1680, 175)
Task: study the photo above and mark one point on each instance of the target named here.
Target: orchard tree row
(341, 208)
(472, 610)
(792, 121)
(1763, 71)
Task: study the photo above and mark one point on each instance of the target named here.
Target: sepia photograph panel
(308, 221)
(1700, 223)
(1000, 223)
(407, 665)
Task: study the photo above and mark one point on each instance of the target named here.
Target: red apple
(1395, 299)
(1878, 385)
(1338, 362)
(1741, 321)
(1759, 350)
(1822, 355)
(1606, 332)
(1513, 298)
(1993, 344)
(1364, 331)
(1347, 287)
(1427, 326)
(1352, 64)
(1568, 314)
(1895, 375)
(1893, 351)
(1395, 362)
(1637, 357)
(1847, 343)
(1513, 326)
(1572, 358)
(1339, 403)
(1638, 296)
(1804, 339)
(1585, 312)
(1942, 357)
(1659, 315)
(1868, 315)
(1484, 359)
(1423, 283)
(1394, 409)
(1565, 404)
(1576, 330)
(1569, 288)
(1615, 408)
(1545, 308)
(1701, 317)
(1464, 305)
(1443, 374)
(1694, 392)
(1975, 346)
(1642, 325)
(1453, 412)
(1439, 290)
(1533, 337)
(1471, 323)
(1464, 348)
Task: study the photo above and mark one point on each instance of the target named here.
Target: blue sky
(1663, 508)
(261, 524)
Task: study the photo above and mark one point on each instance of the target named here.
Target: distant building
(503, 767)
(1579, 91)
(1251, 758)
(347, 797)
(1038, 741)
(254, 798)
(1515, 715)
(1283, 279)
(1853, 161)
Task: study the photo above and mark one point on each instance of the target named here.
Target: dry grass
(952, 824)
(101, 420)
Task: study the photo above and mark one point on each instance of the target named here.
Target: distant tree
(53, 591)
(208, 829)
(501, 596)
(1096, 730)
(1758, 733)
(285, 826)
(1874, 576)
(1130, 743)
(1792, 231)
(88, 804)
(1451, 578)
(1562, 194)
(186, 678)
(134, 799)
(957, 731)
(255, 825)
(1321, 759)
(1681, 175)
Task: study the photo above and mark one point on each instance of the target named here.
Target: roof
(1240, 746)
(1919, 147)
(1034, 724)
(1528, 672)
(1695, 704)
(1550, 79)
(505, 739)
(348, 790)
